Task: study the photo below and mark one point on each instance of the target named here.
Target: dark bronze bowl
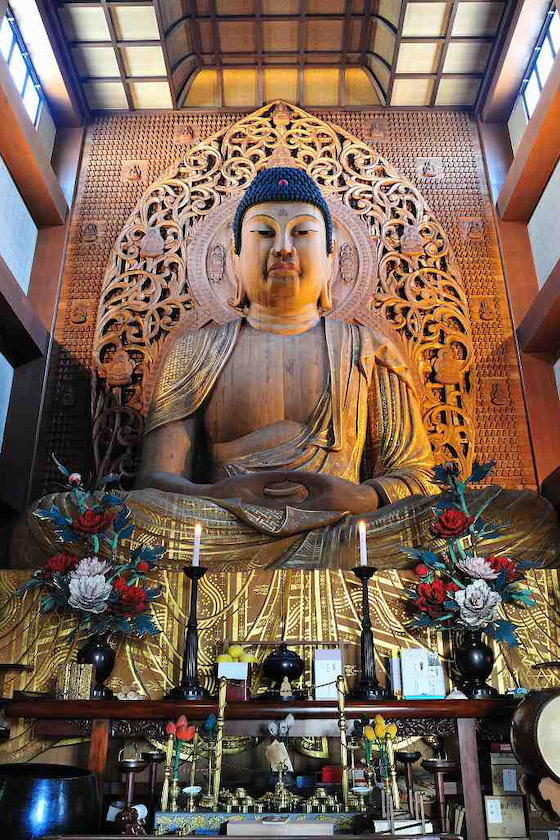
(42, 799)
(283, 662)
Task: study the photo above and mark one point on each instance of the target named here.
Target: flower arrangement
(178, 733)
(458, 587)
(375, 733)
(104, 595)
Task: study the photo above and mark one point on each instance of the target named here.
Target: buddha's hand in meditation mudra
(279, 489)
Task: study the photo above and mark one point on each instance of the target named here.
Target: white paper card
(509, 780)
(328, 666)
(233, 670)
(494, 810)
(553, 835)
(276, 753)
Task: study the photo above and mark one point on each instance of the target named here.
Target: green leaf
(502, 631)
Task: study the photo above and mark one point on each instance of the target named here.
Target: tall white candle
(196, 546)
(363, 545)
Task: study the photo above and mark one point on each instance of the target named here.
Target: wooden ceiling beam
(443, 52)
(536, 155)
(117, 52)
(396, 49)
(539, 331)
(161, 30)
(23, 154)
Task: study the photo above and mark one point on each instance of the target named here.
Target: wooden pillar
(470, 773)
(98, 749)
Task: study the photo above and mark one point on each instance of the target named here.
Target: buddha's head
(283, 244)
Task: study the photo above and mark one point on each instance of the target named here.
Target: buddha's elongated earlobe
(325, 298)
(239, 298)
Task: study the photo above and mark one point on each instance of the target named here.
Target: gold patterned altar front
(319, 606)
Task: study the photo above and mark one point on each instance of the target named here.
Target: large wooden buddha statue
(258, 427)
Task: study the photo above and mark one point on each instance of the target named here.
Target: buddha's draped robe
(369, 407)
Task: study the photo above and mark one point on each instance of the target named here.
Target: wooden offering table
(102, 719)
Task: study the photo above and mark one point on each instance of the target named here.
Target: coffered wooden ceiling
(143, 54)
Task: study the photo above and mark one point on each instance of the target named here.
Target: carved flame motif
(420, 296)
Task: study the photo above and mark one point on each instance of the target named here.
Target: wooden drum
(535, 733)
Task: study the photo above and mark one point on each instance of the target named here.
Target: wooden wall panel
(453, 183)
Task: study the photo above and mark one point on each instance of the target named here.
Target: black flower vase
(99, 653)
(474, 660)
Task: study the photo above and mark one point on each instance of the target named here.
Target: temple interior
(280, 418)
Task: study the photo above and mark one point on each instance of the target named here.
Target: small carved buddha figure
(279, 430)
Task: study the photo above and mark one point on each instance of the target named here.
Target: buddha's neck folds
(280, 323)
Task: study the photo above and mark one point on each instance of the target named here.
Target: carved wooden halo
(210, 263)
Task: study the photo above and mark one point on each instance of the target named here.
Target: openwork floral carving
(419, 295)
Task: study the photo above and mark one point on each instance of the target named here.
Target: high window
(23, 73)
(540, 66)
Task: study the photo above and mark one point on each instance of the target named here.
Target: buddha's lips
(283, 266)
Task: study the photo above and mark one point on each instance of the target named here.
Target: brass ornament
(420, 298)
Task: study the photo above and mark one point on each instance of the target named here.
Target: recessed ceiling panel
(477, 18)
(412, 92)
(281, 83)
(424, 19)
(457, 92)
(235, 7)
(151, 94)
(382, 42)
(103, 96)
(280, 7)
(420, 57)
(325, 7)
(95, 61)
(467, 57)
(87, 24)
(143, 61)
(237, 36)
(203, 92)
(321, 86)
(324, 35)
(135, 23)
(390, 9)
(240, 88)
(359, 89)
(280, 36)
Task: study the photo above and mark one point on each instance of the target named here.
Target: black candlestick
(189, 688)
(368, 688)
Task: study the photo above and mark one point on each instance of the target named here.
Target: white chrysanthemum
(89, 593)
(90, 567)
(478, 604)
(476, 567)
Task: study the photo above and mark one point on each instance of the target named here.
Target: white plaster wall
(544, 228)
(6, 377)
(18, 232)
(517, 124)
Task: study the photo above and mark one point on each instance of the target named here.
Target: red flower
(143, 566)
(504, 564)
(182, 721)
(452, 587)
(59, 564)
(451, 523)
(93, 521)
(170, 728)
(120, 584)
(133, 600)
(185, 733)
(421, 570)
(431, 597)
